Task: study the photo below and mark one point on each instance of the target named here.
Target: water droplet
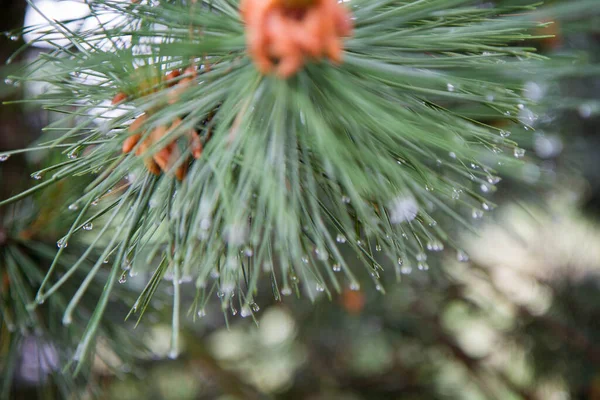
(88, 227)
(378, 287)
(520, 106)
(4, 157)
(304, 259)
(519, 153)
(37, 176)
(484, 188)
(62, 243)
(245, 311)
(354, 286)
(123, 278)
(234, 311)
(319, 288)
(95, 202)
(452, 154)
(494, 179)
(340, 238)
(462, 256)
(456, 193)
(406, 269)
(220, 294)
(421, 257)
(286, 291)
(486, 206)
(435, 245)
(14, 38)
(336, 267)
(254, 307)
(346, 199)
(378, 247)
(429, 188)
(67, 319)
(423, 266)
(8, 82)
(450, 87)
(438, 162)
(201, 313)
(477, 213)
(248, 252)
(173, 354)
(505, 134)
(73, 154)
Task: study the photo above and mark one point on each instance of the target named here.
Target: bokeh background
(520, 319)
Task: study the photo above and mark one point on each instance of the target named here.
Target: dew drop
(354, 286)
(378, 247)
(73, 207)
(421, 257)
(450, 87)
(406, 269)
(493, 180)
(73, 154)
(4, 157)
(340, 238)
(220, 294)
(456, 193)
(319, 288)
(62, 243)
(452, 155)
(248, 252)
(505, 134)
(173, 354)
(423, 266)
(88, 227)
(484, 188)
(378, 287)
(123, 278)
(336, 267)
(345, 199)
(37, 176)
(304, 259)
(201, 313)
(286, 291)
(518, 152)
(245, 311)
(67, 319)
(477, 213)
(486, 206)
(14, 38)
(254, 307)
(435, 245)
(462, 256)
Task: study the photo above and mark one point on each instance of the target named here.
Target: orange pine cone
(169, 155)
(281, 34)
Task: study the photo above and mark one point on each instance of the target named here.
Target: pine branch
(379, 158)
